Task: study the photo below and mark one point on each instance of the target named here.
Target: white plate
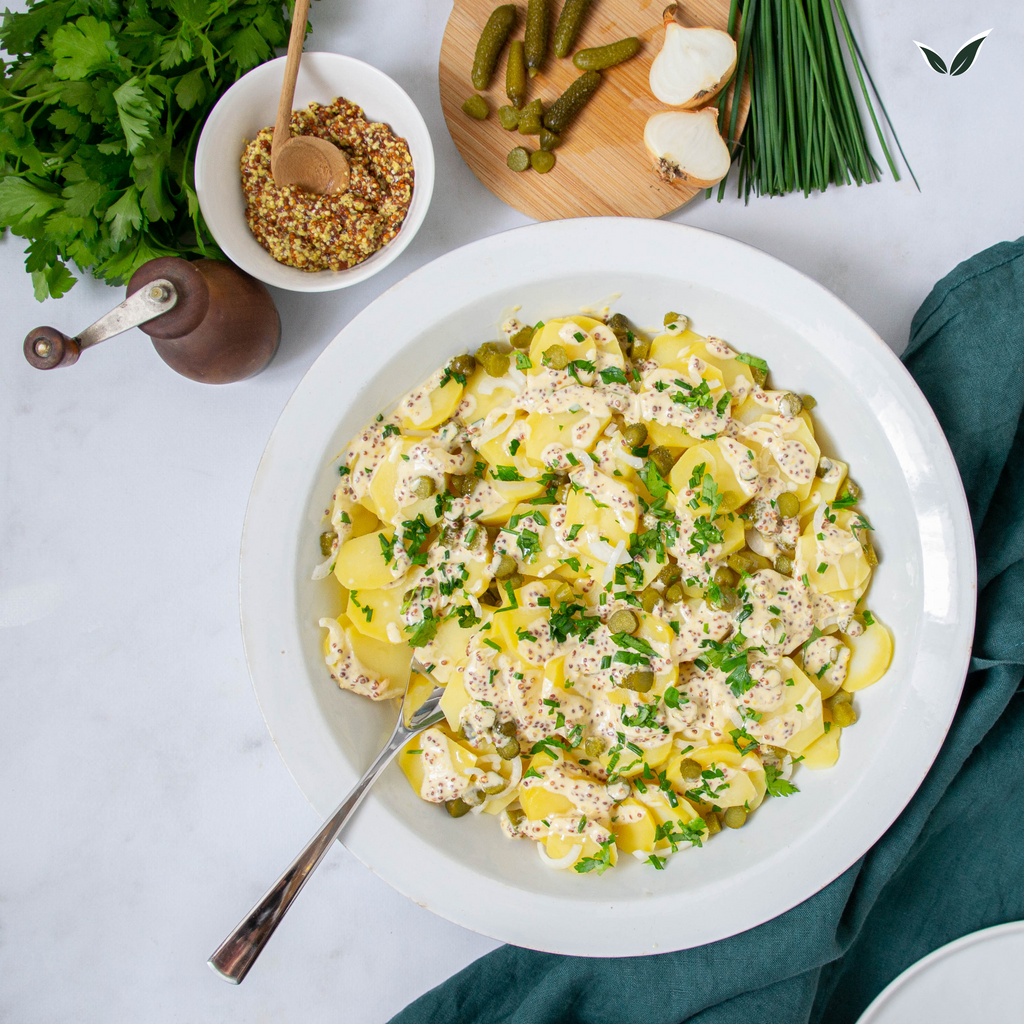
(870, 412)
(251, 104)
(976, 978)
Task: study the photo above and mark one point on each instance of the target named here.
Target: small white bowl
(251, 104)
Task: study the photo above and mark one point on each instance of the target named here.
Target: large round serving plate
(870, 412)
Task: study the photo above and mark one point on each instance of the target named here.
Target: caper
(787, 504)
(617, 322)
(519, 158)
(791, 404)
(515, 816)
(542, 161)
(515, 579)
(593, 746)
(457, 807)
(634, 434)
(734, 817)
(747, 562)
(522, 338)
(725, 600)
(649, 597)
(839, 697)
(461, 486)
(506, 727)
(463, 365)
(844, 715)
(473, 797)
(669, 574)
(495, 787)
(760, 376)
(509, 750)
(869, 554)
(562, 493)
(690, 769)
(623, 621)
(712, 822)
(639, 681)
(784, 565)
(327, 539)
(641, 348)
(663, 458)
(725, 577)
(849, 490)
(670, 318)
(476, 107)
(809, 402)
(562, 592)
(492, 358)
(508, 118)
(556, 357)
(492, 42)
(424, 487)
(506, 567)
(674, 594)
(549, 140)
(824, 466)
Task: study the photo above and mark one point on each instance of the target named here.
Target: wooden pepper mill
(208, 320)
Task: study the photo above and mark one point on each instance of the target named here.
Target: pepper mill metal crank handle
(47, 348)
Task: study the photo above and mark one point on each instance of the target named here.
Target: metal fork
(238, 952)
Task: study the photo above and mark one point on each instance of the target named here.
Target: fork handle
(238, 952)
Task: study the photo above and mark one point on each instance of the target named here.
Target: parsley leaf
(775, 785)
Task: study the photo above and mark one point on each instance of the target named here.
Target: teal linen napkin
(953, 862)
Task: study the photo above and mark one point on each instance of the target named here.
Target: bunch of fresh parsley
(100, 113)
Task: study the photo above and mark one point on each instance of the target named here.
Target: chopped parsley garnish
(599, 863)
(390, 430)
(425, 631)
(646, 716)
(613, 375)
(506, 473)
(705, 533)
(387, 547)
(578, 366)
(743, 741)
(729, 658)
(574, 531)
(869, 618)
(523, 361)
(673, 698)
(658, 862)
(344, 471)
(513, 445)
(846, 501)
(689, 832)
(775, 785)
(755, 361)
(450, 375)
(652, 479)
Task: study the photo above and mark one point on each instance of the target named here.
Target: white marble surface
(143, 805)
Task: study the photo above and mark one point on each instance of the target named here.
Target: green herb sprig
(100, 114)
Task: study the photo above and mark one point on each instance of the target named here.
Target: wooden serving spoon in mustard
(304, 161)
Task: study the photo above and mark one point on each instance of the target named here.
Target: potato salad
(626, 559)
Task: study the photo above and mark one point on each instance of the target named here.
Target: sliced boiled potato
(453, 700)
(386, 661)
(670, 437)
(824, 751)
(498, 499)
(870, 657)
(443, 403)
(548, 335)
(447, 652)
(482, 394)
(373, 611)
(823, 492)
(539, 803)
(580, 429)
(711, 457)
(671, 348)
(360, 564)
(601, 526)
(410, 760)
(634, 835)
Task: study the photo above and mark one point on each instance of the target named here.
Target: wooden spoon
(304, 161)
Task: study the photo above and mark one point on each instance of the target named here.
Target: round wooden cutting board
(602, 166)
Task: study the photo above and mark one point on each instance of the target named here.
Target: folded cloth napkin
(953, 861)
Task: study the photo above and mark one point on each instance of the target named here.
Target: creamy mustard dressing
(696, 655)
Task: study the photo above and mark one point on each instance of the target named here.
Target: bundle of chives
(804, 131)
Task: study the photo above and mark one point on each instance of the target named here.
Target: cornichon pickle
(639, 681)
(542, 161)
(508, 118)
(634, 434)
(690, 769)
(476, 106)
(597, 58)
(556, 357)
(515, 74)
(734, 817)
(623, 621)
(522, 338)
(518, 160)
(549, 140)
(457, 807)
(564, 110)
(536, 34)
(506, 567)
(509, 750)
(787, 504)
(531, 118)
(593, 746)
(568, 27)
(492, 42)
(327, 539)
(663, 458)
